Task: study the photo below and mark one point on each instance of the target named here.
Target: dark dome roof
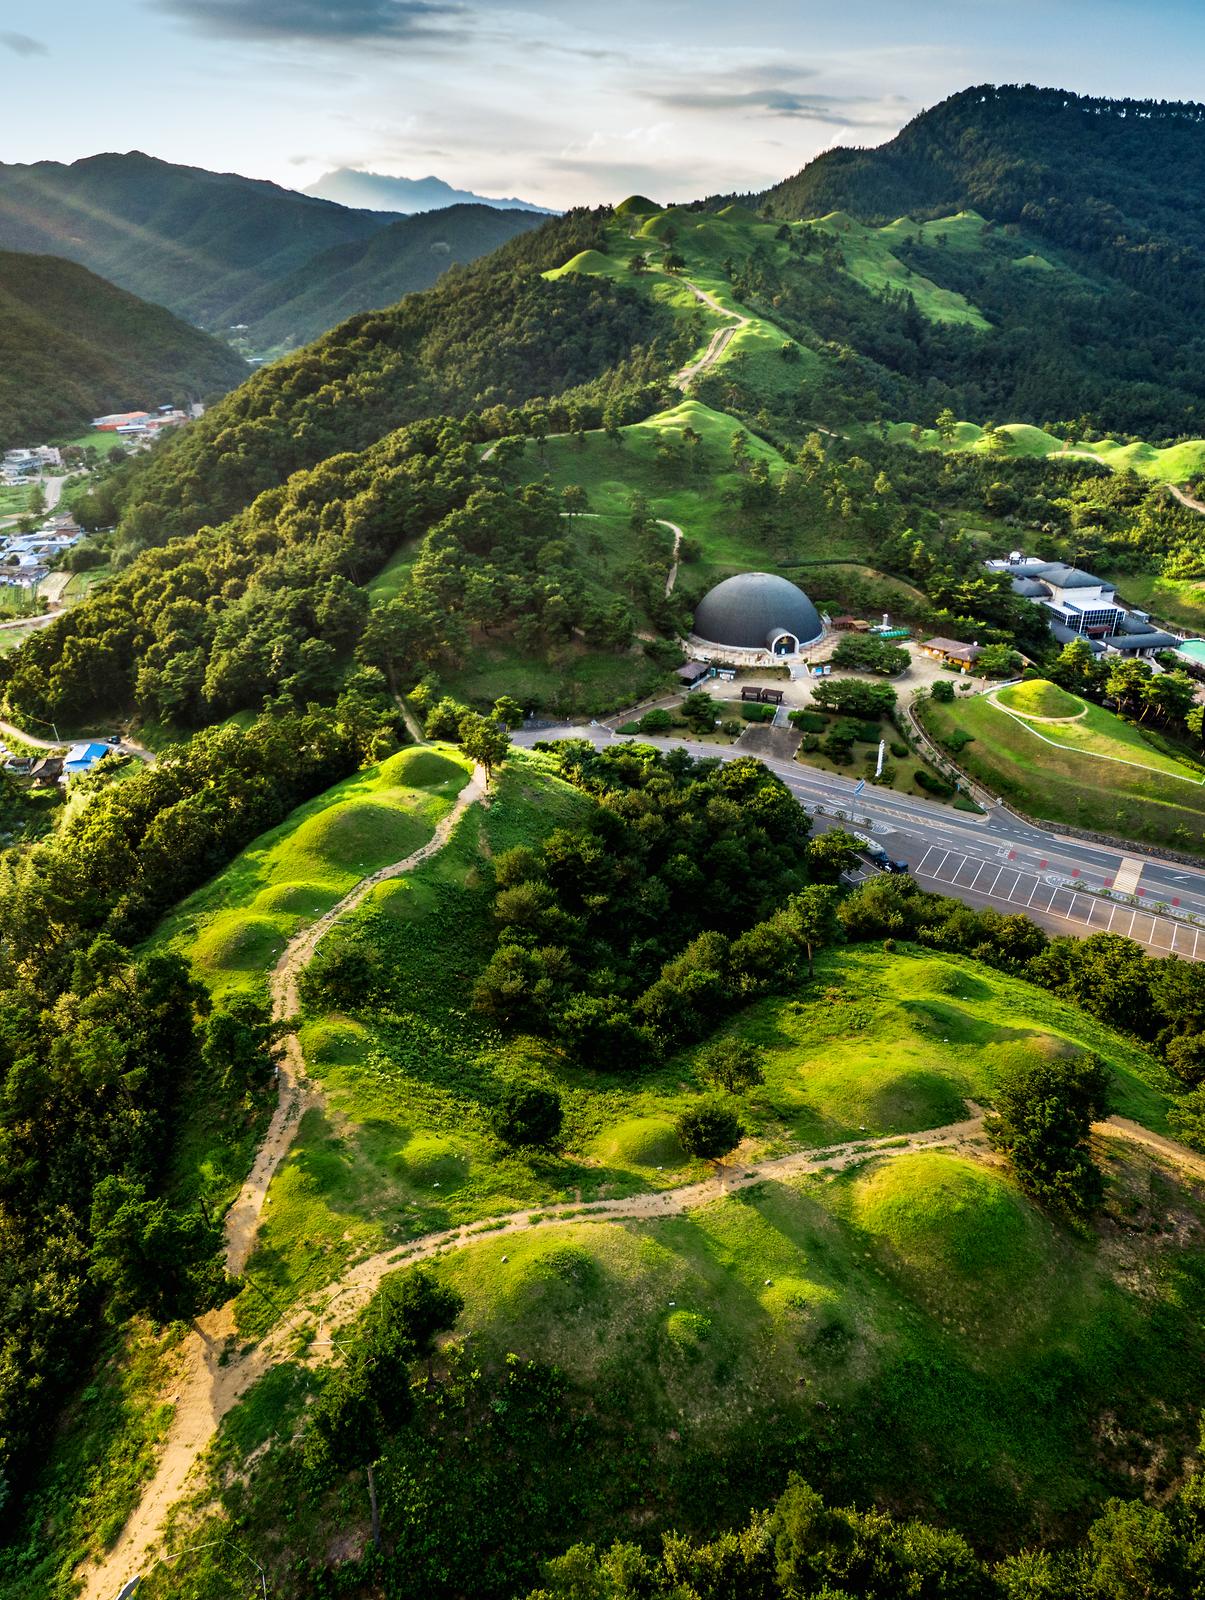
(746, 611)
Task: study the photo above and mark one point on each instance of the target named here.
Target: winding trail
(1184, 498)
(215, 1375)
(720, 339)
(214, 1372)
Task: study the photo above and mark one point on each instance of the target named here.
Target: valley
(637, 1029)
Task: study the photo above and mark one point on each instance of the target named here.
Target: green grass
(235, 927)
(881, 1044)
(1175, 463)
(1054, 771)
(1180, 601)
(699, 501)
(913, 1327)
(869, 259)
(1040, 698)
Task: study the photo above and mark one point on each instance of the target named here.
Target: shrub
(887, 775)
(932, 784)
(958, 740)
(528, 1118)
(731, 726)
(658, 720)
(628, 727)
(809, 721)
(709, 1131)
(869, 654)
(811, 741)
(942, 690)
(754, 711)
(898, 749)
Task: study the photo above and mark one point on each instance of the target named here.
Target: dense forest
(491, 336)
(72, 347)
(408, 255)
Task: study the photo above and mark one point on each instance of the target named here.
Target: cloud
(836, 110)
(22, 45)
(321, 21)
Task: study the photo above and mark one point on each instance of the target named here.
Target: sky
(558, 101)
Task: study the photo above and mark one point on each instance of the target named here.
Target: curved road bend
(935, 840)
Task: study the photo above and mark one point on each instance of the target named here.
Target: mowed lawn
(234, 928)
(879, 1044)
(1054, 770)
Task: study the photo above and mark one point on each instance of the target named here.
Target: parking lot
(1052, 894)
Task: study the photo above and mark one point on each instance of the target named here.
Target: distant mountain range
(73, 346)
(227, 252)
(375, 191)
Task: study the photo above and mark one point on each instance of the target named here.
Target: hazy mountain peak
(376, 191)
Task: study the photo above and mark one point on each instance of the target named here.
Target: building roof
(1149, 639)
(1060, 576)
(951, 647)
(693, 671)
(746, 611)
(1065, 635)
(1031, 588)
(85, 755)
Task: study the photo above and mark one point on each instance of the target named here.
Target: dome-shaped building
(758, 611)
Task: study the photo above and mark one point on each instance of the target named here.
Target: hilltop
(73, 346)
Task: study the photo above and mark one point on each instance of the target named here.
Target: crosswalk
(1041, 894)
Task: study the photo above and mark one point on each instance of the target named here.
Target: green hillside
(377, 270)
(1088, 767)
(73, 347)
(894, 1316)
(201, 243)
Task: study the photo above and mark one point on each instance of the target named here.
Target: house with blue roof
(83, 757)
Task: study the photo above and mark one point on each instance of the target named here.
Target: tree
(700, 711)
(444, 718)
(368, 1397)
(946, 425)
(998, 661)
(1126, 684)
(814, 920)
(639, 262)
(830, 854)
(1186, 1058)
(238, 1047)
(508, 712)
(732, 1064)
(1044, 1114)
(709, 1130)
(942, 690)
(574, 500)
(528, 1118)
(149, 1257)
(484, 740)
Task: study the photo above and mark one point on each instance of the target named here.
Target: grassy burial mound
(1087, 768)
(412, 1072)
(910, 1331)
(1038, 697)
(234, 929)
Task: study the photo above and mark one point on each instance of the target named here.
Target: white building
(1083, 606)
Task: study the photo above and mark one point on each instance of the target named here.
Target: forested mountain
(495, 334)
(1121, 183)
(409, 254)
(198, 242)
(73, 346)
(376, 191)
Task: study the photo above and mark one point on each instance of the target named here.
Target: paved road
(997, 860)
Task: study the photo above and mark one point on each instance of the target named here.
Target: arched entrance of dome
(783, 643)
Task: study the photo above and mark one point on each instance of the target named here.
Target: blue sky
(556, 100)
